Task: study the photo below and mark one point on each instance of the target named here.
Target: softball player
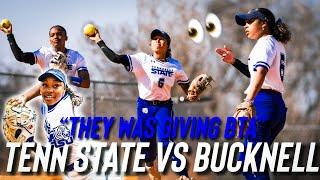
(76, 66)
(155, 74)
(58, 104)
(266, 66)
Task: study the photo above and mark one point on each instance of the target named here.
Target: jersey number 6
(161, 82)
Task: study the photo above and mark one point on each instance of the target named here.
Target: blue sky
(32, 19)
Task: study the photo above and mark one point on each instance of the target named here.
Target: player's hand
(97, 37)
(7, 30)
(19, 100)
(192, 96)
(226, 54)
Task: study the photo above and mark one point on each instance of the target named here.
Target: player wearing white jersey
(75, 62)
(156, 75)
(266, 65)
(76, 66)
(58, 106)
(156, 78)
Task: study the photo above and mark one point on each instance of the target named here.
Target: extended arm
(112, 56)
(227, 56)
(27, 96)
(26, 57)
(243, 68)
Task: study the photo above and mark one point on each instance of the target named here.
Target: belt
(269, 91)
(157, 102)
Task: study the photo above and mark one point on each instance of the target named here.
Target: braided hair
(75, 98)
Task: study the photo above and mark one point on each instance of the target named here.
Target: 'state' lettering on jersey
(155, 78)
(161, 71)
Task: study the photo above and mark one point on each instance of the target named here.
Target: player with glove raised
(197, 86)
(156, 75)
(19, 120)
(266, 65)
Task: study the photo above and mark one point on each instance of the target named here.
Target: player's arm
(26, 57)
(182, 79)
(83, 79)
(112, 56)
(243, 68)
(28, 95)
(185, 87)
(33, 92)
(257, 83)
(228, 57)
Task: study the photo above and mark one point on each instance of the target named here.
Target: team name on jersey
(161, 71)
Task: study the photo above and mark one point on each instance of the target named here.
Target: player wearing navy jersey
(156, 75)
(266, 65)
(76, 66)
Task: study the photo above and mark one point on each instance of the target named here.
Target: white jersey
(271, 54)
(75, 62)
(58, 132)
(156, 78)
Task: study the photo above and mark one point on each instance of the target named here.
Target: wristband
(248, 100)
(76, 80)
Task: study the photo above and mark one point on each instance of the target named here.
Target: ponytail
(168, 54)
(281, 31)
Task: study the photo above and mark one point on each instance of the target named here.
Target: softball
(89, 30)
(5, 23)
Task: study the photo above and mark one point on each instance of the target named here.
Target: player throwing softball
(266, 65)
(155, 74)
(76, 67)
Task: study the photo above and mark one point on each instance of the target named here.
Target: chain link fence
(105, 98)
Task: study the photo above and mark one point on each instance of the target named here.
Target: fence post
(93, 99)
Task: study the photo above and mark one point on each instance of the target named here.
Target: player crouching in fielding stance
(58, 104)
(266, 65)
(155, 74)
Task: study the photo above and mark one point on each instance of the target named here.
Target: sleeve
(263, 53)
(243, 68)
(112, 56)
(26, 57)
(135, 62)
(44, 110)
(181, 76)
(81, 63)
